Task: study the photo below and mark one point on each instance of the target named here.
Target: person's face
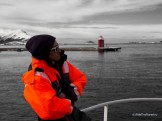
(55, 52)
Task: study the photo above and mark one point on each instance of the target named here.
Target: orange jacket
(40, 95)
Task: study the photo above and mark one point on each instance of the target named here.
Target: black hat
(40, 46)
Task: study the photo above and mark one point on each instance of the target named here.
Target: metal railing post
(105, 112)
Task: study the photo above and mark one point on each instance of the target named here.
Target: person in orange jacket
(52, 84)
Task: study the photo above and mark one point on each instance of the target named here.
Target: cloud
(79, 17)
(93, 31)
(5, 4)
(156, 32)
(72, 10)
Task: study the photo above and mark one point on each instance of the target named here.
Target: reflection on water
(134, 72)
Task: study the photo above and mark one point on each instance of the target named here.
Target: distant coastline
(74, 46)
(22, 48)
(64, 44)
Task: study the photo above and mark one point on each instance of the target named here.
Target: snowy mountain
(8, 36)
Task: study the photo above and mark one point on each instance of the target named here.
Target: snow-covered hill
(8, 36)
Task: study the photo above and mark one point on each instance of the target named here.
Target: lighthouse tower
(101, 42)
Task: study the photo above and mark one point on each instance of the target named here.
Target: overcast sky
(84, 18)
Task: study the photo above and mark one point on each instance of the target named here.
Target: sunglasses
(55, 49)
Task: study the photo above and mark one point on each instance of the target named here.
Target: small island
(90, 42)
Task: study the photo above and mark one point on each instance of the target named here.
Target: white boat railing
(106, 104)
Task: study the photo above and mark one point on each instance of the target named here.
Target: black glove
(63, 57)
(68, 90)
(78, 115)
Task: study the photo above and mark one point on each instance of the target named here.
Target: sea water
(133, 72)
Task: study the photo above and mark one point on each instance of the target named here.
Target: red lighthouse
(100, 42)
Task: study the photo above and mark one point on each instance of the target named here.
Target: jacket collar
(38, 63)
(43, 64)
